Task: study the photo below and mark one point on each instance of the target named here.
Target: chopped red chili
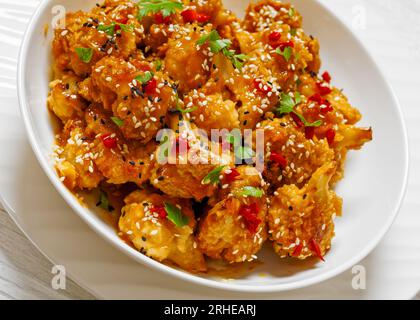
(203, 18)
(297, 120)
(160, 19)
(108, 141)
(298, 250)
(123, 20)
(326, 76)
(274, 36)
(322, 102)
(278, 158)
(232, 175)
(160, 210)
(261, 86)
(249, 213)
(314, 246)
(190, 15)
(309, 132)
(323, 88)
(151, 86)
(330, 135)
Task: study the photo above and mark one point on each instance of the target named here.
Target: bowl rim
(149, 262)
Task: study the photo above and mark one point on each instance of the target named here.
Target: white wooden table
(391, 31)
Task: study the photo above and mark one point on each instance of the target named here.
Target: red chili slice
(160, 210)
(322, 101)
(122, 20)
(330, 135)
(202, 18)
(189, 15)
(230, 177)
(326, 76)
(160, 19)
(261, 86)
(249, 213)
(109, 141)
(297, 120)
(278, 158)
(151, 86)
(298, 250)
(274, 36)
(323, 88)
(316, 249)
(309, 132)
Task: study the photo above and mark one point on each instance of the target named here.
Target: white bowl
(375, 180)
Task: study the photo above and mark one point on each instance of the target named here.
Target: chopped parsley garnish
(85, 54)
(213, 177)
(165, 7)
(104, 202)
(286, 53)
(145, 78)
(175, 215)
(287, 105)
(249, 191)
(117, 121)
(216, 45)
(291, 12)
(110, 28)
(158, 64)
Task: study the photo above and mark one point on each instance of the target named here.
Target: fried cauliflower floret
(211, 111)
(120, 161)
(96, 32)
(189, 159)
(301, 221)
(74, 161)
(184, 63)
(139, 108)
(148, 225)
(291, 157)
(64, 99)
(234, 229)
(261, 14)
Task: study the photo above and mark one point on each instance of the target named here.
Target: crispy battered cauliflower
(75, 160)
(64, 99)
(234, 229)
(301, 221)
(148, 225)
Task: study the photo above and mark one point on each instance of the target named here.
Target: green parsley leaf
(108, 29)
(104, 202)
(291, 12)
(293, 31)
(145, 78)
(212, 36)
(306, 123)
(85, 54)
(158, 64)
(249, 191)
(166, 7)
(286, 53)
(117, 121)
(287, 105)
(216, 45)
(175, 215)
(126, 27)
(186, 110)
(213, 177)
